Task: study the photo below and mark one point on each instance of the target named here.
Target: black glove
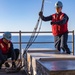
(52, 23)
(13, 65)
(40, 14)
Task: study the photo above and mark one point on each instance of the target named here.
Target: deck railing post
(20, 43)
(73, 42)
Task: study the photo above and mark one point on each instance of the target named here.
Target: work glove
(13, 65)
(52, 23)
(40, 13)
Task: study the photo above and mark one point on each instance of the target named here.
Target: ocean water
(40, 38)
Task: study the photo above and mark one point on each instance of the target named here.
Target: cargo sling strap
(35, 31)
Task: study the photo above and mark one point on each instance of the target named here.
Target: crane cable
(33, 37)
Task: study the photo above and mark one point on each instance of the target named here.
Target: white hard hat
(7, 35)
(58, 4)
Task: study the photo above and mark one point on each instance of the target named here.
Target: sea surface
(41, 38)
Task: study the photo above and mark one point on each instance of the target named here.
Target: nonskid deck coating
(50, 58)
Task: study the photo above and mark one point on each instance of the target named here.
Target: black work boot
(0, 65)
(68, 52)
(1, 62)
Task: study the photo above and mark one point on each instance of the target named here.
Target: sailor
(7, 50)
(59, 22)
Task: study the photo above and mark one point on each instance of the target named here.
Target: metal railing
(30, 32)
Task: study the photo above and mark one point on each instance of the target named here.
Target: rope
(33, 37)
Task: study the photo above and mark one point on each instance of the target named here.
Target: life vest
(59, 29)
(4, 47)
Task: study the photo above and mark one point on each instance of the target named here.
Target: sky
(16, 15)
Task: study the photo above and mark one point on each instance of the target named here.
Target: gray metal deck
(22, 72)
(50, 62)
(56, 67)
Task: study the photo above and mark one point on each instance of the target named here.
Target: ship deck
(46, 62)
(3, 70)
(22, 72)
(49, 62)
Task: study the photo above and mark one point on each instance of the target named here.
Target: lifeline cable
(33, 37)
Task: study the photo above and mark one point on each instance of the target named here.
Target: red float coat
(4, 47)
(59, 29)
